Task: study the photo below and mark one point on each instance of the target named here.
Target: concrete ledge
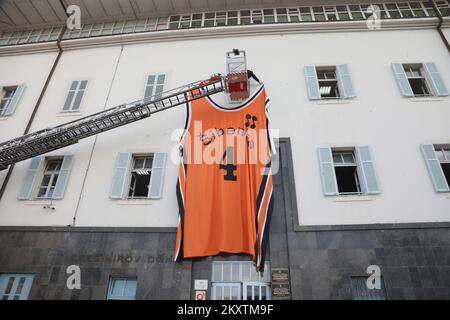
(88, 229)
(376, 226)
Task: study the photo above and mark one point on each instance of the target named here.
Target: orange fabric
(225, 185)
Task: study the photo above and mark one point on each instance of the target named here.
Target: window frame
(355, 164)
(7, 89)
(411, 67)
(328, 69)
(52, 173)
(111, 282)
(25, 286)
(130, 174)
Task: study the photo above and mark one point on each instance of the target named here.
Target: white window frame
(327, 69)
(52, 174)
(132, 169)
(354, 164)
(111, 283)
(419, 67)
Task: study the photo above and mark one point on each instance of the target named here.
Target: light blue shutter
(434, 168)
(402, 80)
(327, 173)
(14, 100)
(312, 83)
(63, 177)
(120, 175)
(367, 170)
(30, 179)
(435, 79)
(345, 81)
(157, 178)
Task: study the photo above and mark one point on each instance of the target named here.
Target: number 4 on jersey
(229, 167)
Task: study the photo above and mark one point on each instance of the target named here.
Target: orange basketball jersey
(225, 187)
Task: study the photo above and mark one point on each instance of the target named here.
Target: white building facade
(360, 107)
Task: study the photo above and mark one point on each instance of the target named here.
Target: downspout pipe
(36, 106)
(441, 21)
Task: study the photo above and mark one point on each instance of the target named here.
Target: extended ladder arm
(46, 140)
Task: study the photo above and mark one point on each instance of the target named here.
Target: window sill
(352, 198)
(69, 114)
(134, 202)
(426, 99)
(38, 202)
(333, 101)
(4, 118)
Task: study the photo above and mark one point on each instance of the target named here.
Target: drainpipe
(38, 103)
(441, 20)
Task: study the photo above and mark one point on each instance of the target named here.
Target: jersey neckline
(238, 107)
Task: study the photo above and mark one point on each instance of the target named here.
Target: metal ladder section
(46, 140)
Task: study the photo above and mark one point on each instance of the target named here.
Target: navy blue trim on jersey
(179, 256)
(265, 235)
(241, 106)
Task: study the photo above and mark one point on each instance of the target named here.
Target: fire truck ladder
(46, 140)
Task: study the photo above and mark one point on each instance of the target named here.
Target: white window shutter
(12, 105)
(312, 84)
(120, 176)
(157, 178)
(345, 81)
(367, 169)
(29, 182)
(402, 80)
(434, 168)
(63, 177)
(435, 79)
(327, 173)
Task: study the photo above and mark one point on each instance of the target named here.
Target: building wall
(379, 116)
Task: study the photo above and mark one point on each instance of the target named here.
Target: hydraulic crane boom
(46, 140)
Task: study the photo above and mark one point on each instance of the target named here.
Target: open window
(417, 79)
(443, 155)
(140, 176)
(346, 169)
(328, 83)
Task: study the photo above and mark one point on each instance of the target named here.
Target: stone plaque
(280, 284)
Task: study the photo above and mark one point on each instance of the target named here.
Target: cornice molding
(221, 32)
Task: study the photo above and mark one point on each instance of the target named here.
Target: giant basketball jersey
(225, 184)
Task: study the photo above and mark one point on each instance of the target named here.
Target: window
(417, 80)
(73, 99)
(346, 170)
(46, 178)
(238, 280)
(360, 291)
(15, 286)
(140, 177)
(49, 179)
(7, 94)
(443, 155)
(154, 86)
(122, 288)
(328, 84)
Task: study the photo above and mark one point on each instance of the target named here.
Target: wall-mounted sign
(281, 289)
(201, 284)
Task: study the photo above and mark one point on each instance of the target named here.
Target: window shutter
(367, 170)
(63, 177)
(402, 80)
(327, 173)
(434, 168)
(345, 81)
(120, 174)
(435, 79)
(14, 100)
(312, 83)
(157, 178)
(30, 179)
